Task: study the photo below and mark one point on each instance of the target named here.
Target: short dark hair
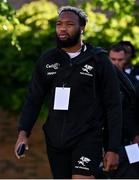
(79, 12)
(128, 43)
(117, 48)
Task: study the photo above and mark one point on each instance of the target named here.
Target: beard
(70, 41)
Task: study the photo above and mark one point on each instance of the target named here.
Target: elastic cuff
(27, 132)
(115, 150)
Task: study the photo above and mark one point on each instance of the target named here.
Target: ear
(82, 30)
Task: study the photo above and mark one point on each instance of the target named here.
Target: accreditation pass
(61, 98)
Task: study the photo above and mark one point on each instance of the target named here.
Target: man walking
(77, 98)
(130, 131)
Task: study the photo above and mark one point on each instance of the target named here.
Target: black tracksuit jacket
(92, 96)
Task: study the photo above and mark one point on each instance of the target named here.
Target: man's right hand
(22, 139)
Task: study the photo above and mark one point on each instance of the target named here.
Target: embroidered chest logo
(52, 68)
(86, 70)
(82, 163)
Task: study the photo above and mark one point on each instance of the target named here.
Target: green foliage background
(29, 31)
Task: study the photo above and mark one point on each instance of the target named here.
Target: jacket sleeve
(130, 120)
(34, 100)
(111, 100)
(137, 105)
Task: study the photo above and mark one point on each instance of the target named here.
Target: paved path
(34, 165)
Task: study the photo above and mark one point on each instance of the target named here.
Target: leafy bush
(112, 21)
(33, 31)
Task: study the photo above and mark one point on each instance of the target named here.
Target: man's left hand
(110, 161)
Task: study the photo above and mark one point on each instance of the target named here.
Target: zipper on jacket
(62, 130)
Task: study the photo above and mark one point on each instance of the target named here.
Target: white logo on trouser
(82, 163)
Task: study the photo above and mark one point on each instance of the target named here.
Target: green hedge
(34, 29)
(35, 34)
